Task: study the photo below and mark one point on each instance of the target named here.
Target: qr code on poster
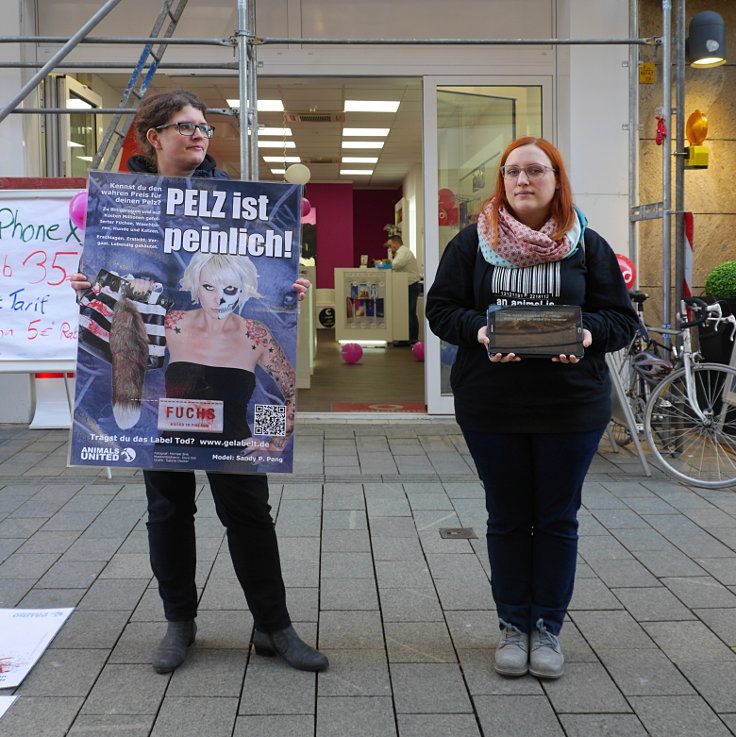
(269, 419)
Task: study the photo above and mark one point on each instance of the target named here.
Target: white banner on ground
(5, 703)
(24, 636)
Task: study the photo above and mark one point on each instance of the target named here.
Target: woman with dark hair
(532, 426)
(172, 129)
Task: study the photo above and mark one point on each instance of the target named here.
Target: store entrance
(388, 379)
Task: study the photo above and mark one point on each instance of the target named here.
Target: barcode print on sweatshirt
(541, 280)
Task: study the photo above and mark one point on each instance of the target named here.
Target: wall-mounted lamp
(706, 46)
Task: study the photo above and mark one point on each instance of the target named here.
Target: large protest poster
(39, 249)
(187, 338)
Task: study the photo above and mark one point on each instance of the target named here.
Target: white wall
(593, 107)
(18, 160)
(19, 134)
(413, 188)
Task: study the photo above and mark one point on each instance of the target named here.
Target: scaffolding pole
(246, 102)
(135, 40)
(233, 41)
(104, 111)
(653, 41)
(253, 91)
(679, 152)
(633, 126)
(233, 65)
(667, 163)
(64, 51)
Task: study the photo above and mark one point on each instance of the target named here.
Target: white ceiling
(318, 144)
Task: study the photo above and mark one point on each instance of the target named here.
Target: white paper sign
(39, 250)
(24, 636)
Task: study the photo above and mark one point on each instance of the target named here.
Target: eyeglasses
(533, 171)
(187, 129)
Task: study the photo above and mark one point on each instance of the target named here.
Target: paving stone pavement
(404, 615)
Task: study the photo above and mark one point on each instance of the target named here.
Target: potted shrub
(720, 286)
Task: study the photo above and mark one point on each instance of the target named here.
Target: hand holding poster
(188, 334)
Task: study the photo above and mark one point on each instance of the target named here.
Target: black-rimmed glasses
(533, 171)
(187, 129)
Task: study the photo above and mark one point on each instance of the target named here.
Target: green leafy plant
(392, 229)
(721, 282)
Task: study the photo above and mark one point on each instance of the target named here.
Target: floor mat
(377, 407)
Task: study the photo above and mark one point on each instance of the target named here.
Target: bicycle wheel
(697, 450)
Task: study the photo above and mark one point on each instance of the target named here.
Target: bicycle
(639, 367)
(686, 409)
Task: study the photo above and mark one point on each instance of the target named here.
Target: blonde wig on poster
(225, 270)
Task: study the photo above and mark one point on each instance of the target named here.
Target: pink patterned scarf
(519, 244)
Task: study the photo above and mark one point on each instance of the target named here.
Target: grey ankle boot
(172, 650)
(546, 659)
(291, 648)
(512, 651)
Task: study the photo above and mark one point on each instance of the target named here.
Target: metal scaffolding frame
(246, 42)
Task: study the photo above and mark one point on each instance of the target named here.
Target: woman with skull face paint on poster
(174, 133)
(213, 351)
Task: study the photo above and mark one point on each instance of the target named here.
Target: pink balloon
(306, 206)
(628, 270)
(78, 209)
(418, 350)
(351, 352)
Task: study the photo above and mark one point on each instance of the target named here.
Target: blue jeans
(533, 484)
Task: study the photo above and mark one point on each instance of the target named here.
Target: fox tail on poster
(129, 351)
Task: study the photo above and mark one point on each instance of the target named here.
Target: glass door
(71, 139)
(467, 125)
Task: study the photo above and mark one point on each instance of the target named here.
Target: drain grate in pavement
(457, 533)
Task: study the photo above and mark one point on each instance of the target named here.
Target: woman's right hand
(497, 357)
(79, 283)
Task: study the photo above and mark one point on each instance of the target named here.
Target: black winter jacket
(208, 168)
(534, 394)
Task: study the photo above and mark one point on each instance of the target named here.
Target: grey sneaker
(512, 651)
(545, 659)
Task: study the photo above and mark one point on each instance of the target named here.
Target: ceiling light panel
(359, 159)
(365, 132)
(263, 106)
(362, 144)
(371, 106)
(276, 144)
(282, 159)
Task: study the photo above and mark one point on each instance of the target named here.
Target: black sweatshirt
(534, 394)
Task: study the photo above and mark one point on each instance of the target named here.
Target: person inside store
(174, 133)
(532, 425)
(403, 260)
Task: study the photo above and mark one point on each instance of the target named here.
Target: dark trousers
(414, 291)
(533, 485)
(241, 502)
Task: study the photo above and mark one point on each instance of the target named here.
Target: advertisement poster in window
(187, 336)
